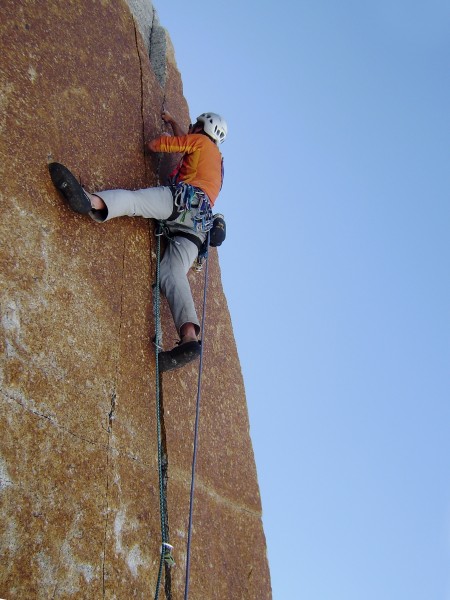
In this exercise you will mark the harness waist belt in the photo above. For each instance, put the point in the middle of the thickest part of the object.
(189, 236)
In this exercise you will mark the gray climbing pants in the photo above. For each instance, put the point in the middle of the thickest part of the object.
(157, 203)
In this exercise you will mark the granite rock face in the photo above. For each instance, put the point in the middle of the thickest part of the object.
(83, 82)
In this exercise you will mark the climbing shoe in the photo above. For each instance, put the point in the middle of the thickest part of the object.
(179, 356)
(70, 188)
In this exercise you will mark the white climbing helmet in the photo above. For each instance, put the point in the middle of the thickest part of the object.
(214, 125)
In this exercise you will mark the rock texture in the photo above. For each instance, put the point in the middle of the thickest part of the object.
(83, 82)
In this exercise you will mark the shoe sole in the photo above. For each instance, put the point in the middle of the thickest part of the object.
(70, 188)
(179, 356)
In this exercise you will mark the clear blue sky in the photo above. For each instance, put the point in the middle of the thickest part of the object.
(336, 271)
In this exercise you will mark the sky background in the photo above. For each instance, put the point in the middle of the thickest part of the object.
(336, 272)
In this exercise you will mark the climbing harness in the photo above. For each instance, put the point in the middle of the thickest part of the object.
(166, 557)
(217, 235)
(191, 201)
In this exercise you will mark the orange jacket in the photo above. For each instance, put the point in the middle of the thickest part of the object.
(201, 165)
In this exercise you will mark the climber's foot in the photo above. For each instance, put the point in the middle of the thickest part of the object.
(70, 188)
(179, 356)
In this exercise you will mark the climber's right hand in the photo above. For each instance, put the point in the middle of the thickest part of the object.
(167, 117)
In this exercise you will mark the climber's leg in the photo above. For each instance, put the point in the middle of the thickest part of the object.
(151, 203)
(177, 260)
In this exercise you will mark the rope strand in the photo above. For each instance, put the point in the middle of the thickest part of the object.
(196, 427)
(158, 418)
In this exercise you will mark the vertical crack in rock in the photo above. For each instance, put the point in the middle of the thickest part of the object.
(158, 50)
(142, 96)
(158, 59)
(111, 417)
(150, 37)
(111, 412)
(151, 34)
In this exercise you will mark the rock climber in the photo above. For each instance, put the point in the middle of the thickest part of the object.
(186, 207)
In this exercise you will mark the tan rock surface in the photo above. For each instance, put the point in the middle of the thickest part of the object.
(79, 496)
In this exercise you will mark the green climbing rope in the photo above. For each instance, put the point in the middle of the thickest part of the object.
(166, 548)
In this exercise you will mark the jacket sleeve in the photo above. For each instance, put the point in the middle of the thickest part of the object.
(184, 143)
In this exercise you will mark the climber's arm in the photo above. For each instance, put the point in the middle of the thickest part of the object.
(177, 130)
